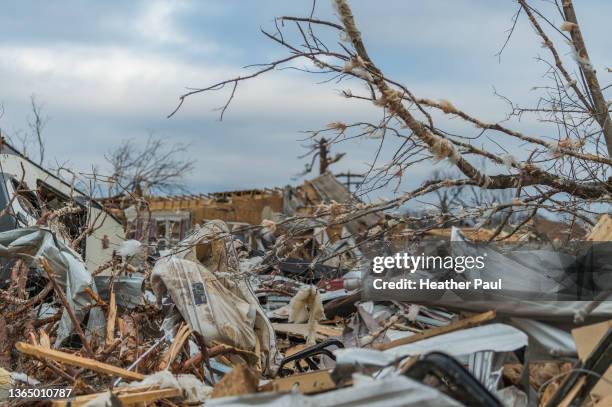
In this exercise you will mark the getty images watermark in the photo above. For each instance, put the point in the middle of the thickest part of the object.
(407, 263)
(441, 272)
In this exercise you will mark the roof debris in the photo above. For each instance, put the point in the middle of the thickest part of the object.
(238, 312)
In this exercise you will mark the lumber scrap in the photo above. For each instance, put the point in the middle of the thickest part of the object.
(179, 340)
(301, 330)
(606, 401)
(455, 326)
(112, 316)
(241, 380)
(127, 398)
(307, 383)
(217, 350)
(587, 339)
(602, 231)
(99, 301)
(43, 353)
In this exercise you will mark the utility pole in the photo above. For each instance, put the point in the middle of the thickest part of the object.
(349, 177)
(323, 153)
(320, 148)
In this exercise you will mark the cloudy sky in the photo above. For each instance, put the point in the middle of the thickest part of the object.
(109, 71)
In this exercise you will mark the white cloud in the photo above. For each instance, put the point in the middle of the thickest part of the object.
(126, 82)
(157, 22)
(107, 91)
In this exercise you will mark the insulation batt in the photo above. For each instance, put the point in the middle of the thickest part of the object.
(305, 306)
(193, 389)
(5, 384)
(129, 248)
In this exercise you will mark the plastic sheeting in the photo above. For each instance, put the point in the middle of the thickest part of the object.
(72, 276)
(212, 291)
(397, 391)
(492, 337)
(208, 305)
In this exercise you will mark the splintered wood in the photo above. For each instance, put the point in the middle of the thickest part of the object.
(179, 340)
(241, 380)
(301, 330)
(455, 326)
(112, 316)
(127, 397)
(602, 231)
(73, 360)
(306, 383)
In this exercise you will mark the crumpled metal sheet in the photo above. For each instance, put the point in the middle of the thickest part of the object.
(487, 367)
(72, 275)
(494, 337)
(461, 344)
(128, 289)
(545, 341)
(398, 391)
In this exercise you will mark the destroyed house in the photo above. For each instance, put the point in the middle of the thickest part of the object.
(173, 217)
(31, 194)
(169, 219)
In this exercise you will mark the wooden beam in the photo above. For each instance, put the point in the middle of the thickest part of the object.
(73, 360)
(180, 338)
(99, 301)
(241, 380)
(307, 383)
(455, 326)
(301, 330)
(131, 398)
(112, 316)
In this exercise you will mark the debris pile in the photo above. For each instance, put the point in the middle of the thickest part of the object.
(218, 322)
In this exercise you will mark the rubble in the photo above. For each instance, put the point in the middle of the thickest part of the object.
(215, 322)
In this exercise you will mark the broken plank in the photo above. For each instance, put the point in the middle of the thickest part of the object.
(241, 380)
(99, 301)
(455, 326)
(587, 338)
(307, 383)
(602, 231)
(126, 398)
(82, 399)
(301, 330)
(179, 340)
(69, 359)
(112, 315)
